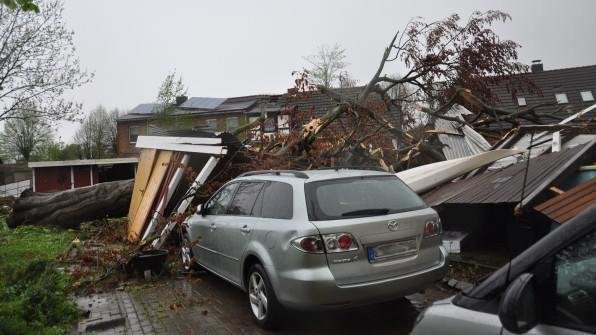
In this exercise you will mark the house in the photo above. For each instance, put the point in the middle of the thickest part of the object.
(225, 115)
(209, 114)
(558, 93)
(53, 176)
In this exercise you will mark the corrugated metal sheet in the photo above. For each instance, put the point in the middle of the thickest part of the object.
(565, 206)
(202, 103)
(505, 186)
(468, 143)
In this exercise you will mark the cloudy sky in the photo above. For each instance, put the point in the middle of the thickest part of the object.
(232, 48)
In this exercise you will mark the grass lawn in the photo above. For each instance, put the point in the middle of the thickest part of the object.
(30, 243)
(33, 294)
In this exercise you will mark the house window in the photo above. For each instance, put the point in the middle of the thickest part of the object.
(521, 101)
(561, 98)
(587, 95)
(133, 133)
(211, 124)
(270, 125)
(232, 123)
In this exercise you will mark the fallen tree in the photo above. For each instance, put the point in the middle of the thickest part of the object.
(69, 208)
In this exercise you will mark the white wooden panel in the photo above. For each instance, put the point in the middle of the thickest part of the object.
(148, 140)
(196, 148)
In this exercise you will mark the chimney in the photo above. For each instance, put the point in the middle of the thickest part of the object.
(181, 99)
(537, 66)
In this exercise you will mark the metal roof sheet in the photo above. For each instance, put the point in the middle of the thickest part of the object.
(505, 186)
(468, 143)
(565, 206)
(107, 161)
(202, 103)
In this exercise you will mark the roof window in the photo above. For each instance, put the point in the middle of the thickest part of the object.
(561, 98)
(587, 95)
(521, 101)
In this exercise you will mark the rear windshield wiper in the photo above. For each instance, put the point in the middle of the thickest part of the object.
(370, 211)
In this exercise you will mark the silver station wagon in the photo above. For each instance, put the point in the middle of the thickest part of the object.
(317, 239)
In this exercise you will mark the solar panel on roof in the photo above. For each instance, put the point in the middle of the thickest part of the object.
(202, 103)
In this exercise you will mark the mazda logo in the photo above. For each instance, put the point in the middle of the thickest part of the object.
(392, 225)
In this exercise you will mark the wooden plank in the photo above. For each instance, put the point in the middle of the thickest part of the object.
(146, 160)
(163, 201)
(196, 148)
(153, 186)
(148, 140)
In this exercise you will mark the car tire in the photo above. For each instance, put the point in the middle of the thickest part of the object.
(262, 302)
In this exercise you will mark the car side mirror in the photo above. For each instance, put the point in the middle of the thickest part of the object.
(517, 311)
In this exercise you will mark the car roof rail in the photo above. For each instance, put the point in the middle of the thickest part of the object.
(352, 167)
(297, 174)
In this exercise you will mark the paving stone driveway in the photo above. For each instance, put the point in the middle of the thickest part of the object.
(205, 304)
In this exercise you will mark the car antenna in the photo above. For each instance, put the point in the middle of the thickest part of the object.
(518, 210)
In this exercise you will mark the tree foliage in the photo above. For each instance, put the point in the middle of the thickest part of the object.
(38, 63)
(97, 134)
(446, 62)
(327, 67)
(24, 135)
(25, 5)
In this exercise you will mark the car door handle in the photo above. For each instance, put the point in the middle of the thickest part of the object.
(212, 227)
(245, 229)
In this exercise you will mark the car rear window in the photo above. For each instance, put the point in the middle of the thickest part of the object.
(359, 197)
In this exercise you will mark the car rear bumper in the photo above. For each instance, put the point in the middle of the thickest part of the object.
(317, 289)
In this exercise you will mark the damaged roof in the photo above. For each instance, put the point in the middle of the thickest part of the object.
(567, 205)
(505, 185)
(468, 142)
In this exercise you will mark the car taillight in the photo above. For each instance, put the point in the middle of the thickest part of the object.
(311, 244)
(339, 242)
(329, 242)
(432, 228)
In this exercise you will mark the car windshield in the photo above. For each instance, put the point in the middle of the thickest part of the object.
(359, 197)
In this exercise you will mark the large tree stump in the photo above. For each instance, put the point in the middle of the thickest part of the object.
(70, 208)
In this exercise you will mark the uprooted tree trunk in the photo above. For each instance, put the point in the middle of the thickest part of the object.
(69, 208)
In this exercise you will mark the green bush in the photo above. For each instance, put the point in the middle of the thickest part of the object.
(33, 300)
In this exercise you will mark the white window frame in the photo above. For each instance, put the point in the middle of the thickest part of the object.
(561, 98)
(521, 101)
(587, 95)
(139, 133)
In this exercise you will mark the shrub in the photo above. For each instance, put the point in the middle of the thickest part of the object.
(33, 300)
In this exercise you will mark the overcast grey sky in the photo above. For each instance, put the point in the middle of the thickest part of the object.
(235, 48)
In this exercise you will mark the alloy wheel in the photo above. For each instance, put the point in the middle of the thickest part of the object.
(186, 257)
(257, 294)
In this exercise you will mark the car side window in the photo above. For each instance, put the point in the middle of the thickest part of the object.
(219, 203)
(245, 198)
(277, 201)
(575, 285)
